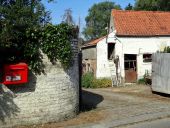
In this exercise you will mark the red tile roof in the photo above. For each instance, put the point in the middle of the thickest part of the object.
(93, 42)
(141, 23)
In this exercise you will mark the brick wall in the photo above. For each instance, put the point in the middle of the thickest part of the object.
(46, 98)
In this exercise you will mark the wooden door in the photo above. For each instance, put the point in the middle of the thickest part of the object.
(130, 68)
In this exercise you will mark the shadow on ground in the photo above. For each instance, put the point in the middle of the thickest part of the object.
(161, 94)
(90, 100)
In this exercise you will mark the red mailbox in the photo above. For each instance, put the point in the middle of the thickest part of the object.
(15, 74)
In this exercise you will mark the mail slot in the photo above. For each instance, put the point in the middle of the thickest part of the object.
(15, 74)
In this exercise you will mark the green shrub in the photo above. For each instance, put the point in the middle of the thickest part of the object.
(88, 81)
(102, 83)
(142, 81)
(167, 49)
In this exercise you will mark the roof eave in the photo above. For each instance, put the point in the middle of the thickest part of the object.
(88, 46)
(122, 35)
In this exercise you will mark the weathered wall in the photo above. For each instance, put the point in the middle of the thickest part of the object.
(89, 53)
(161, 72)
(140, 46)
(129, 45)
(89, 59)
(89, 66)
(103, 69)
(46, 98)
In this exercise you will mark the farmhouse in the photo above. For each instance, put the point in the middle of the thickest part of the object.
(124, 55)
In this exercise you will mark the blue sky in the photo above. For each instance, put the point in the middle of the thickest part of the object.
(79, 8)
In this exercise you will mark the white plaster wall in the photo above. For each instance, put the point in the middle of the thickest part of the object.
(102, 61)
(111, 27)
(129, 45)
(140, 46)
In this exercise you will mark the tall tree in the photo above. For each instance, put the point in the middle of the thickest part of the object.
(98, 19)
(152, 5)
(21, 23)
(17, 16)
(129, 7)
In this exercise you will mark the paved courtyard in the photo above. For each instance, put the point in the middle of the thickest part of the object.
(117, 107)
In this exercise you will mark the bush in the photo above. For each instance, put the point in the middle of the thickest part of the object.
(142, 81)
(102, 83)
(167, 49)
(88, 81)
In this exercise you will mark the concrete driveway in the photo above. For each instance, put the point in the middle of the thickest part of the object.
(161, 123)
(128, 105)
(117, 107)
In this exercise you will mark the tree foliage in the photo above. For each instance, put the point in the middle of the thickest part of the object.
(152, 5)
(57, 43)
(25, 33)
(16, 17)
(21, 23)
(98, 19)
(129, 7)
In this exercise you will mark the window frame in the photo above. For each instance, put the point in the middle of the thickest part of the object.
(147, 57)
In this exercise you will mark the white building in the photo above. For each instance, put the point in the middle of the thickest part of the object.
(125, 54)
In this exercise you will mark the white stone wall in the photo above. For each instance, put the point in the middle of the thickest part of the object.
(102, 61)
(140, 46)
(129, 45)
(46, 98)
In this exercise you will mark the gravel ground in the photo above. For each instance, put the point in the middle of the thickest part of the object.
(116, 107)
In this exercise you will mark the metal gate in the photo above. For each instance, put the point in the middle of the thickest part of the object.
(161, 72)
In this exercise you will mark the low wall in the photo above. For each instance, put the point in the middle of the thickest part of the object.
(49, 97)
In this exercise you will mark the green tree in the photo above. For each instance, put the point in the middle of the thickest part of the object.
(164, 5)
(152, 5)
(21, 22)
(16, 17)
(98, 19)
(129, 7)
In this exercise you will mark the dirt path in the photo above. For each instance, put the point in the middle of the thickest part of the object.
(116, 107)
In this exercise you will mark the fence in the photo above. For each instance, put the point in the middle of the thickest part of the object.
(161, 72)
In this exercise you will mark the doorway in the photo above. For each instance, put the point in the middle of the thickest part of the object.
(111, 50)
(130, 68)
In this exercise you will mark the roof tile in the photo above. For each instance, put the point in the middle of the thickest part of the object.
(93, 42)
(141, 23)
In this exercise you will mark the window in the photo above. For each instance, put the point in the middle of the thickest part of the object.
(147, 58)
(130, 61)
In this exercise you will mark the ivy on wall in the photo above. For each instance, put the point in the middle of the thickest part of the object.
(25, 33)
(53, 40)
(57, 43)
(32, 54)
